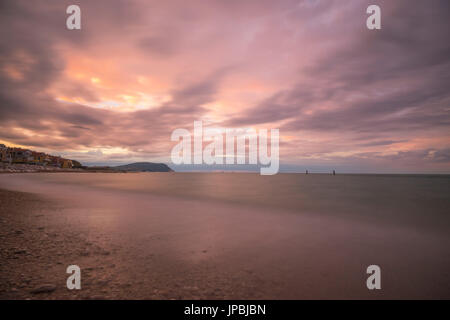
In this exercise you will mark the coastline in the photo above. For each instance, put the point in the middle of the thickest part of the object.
(37, 245)
(35, 250)
(131, 245)
(26, 168)
(34, 168)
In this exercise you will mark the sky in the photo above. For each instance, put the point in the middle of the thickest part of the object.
(342, 96)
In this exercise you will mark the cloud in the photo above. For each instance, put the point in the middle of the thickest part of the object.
(139, 69)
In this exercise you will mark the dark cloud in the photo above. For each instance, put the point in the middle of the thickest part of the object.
(32, 34)
(380, 143)
(393, 79)
(353, 88)
(158, 45)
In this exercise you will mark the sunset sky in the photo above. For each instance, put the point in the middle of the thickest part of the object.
(343, 97)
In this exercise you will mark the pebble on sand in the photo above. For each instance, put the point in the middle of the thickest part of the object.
(46, 288)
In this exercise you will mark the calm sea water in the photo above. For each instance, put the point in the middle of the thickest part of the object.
(283, 236)
(418, 200)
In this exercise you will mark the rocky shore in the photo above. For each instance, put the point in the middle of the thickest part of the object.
(133, 167)
(23, 168)
(140, 243)
(36, 249)
(39, 238)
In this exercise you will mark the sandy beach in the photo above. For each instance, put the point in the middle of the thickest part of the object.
(136, 245)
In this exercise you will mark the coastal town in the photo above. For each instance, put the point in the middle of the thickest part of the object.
(13, 159)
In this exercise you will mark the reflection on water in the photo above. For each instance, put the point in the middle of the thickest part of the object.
(284, 236)
(406, 199)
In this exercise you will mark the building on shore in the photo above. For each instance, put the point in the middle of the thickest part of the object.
(67, 164)
(24, 156)
(5, 155)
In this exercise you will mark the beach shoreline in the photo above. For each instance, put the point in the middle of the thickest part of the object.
(35, 251)
(38, 245)
(27, 168)
(132, 245)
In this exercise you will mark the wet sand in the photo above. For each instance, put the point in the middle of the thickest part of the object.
(131, 245)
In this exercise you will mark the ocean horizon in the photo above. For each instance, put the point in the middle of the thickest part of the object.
(282, 235)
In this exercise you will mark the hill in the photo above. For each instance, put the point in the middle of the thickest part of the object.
(144, 167)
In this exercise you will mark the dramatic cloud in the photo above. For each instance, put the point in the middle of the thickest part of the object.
(342, 96)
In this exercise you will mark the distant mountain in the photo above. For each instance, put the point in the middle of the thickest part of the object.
(144, 166)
